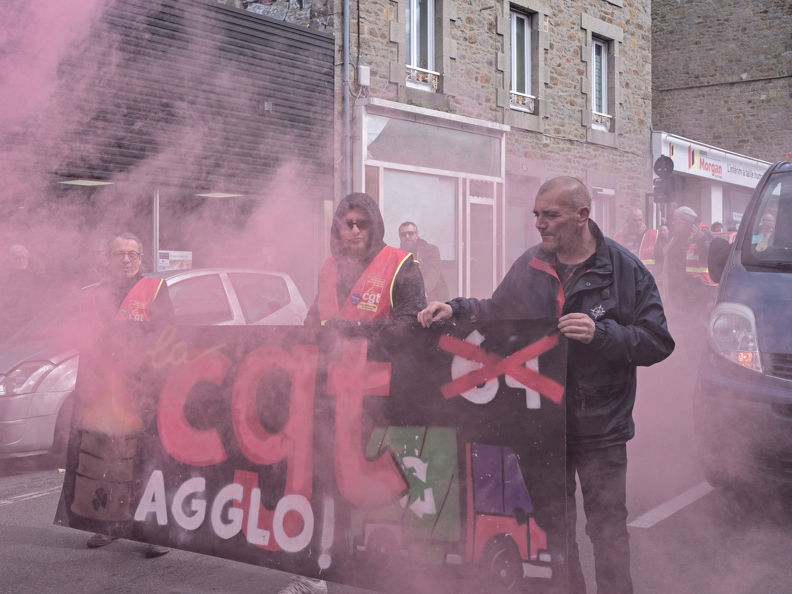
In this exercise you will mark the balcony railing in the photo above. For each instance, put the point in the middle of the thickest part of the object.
(424, 78)
(522, 101)
(601, 121)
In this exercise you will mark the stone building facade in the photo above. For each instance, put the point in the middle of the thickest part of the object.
(722, 74)
(721, 98)
(461, 116)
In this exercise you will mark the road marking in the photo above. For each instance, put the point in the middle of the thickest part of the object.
(27, 496)
(662, 511)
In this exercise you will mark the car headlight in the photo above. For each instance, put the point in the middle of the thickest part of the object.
(732, 334)
(24, 378)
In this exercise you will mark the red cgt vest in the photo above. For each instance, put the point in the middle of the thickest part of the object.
(136, 306)
(372, 295)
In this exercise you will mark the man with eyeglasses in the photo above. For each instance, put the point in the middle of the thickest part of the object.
(429, 262)
(111, 395)
(363, 281)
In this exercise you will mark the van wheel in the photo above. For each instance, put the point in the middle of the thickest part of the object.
(502, 562)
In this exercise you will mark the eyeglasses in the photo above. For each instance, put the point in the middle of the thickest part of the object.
(362, 224)
(407, 233)
(131, 255)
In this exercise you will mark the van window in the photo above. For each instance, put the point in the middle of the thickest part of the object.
(767, 242)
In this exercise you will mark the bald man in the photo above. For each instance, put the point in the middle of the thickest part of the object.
(633, 233)
(608, 306)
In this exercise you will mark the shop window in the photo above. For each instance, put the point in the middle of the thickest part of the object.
(421, 45)
(521, 96)
(429, 201)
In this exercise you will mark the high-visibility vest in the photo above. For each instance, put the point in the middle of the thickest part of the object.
(647, 249)
(372, 295)
(136, 306)
(694, 266)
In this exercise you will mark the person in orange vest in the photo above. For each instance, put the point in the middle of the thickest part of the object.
(687, 286)
(632, 235)
(110, 407)
(364, 281)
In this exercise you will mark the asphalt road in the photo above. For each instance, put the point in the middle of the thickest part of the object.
(686, 537)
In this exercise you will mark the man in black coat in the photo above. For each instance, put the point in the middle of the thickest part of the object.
(428, 257)
(609, 307)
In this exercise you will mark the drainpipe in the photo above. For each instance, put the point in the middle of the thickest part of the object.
(347, 119)
(155, 235)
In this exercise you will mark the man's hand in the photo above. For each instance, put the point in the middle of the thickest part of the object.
(436, 311)
(577, 326)
(697, 232)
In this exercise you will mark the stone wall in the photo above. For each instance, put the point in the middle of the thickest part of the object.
(722, 73)
(473, 57)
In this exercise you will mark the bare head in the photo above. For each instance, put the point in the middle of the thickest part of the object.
(562, 209)
(635, 221)
(125, 253)
(408, 235)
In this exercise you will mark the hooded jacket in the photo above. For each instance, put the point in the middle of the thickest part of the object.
(620, 295)
(408, 287)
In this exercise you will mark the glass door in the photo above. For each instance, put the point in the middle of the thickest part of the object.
(481, 243)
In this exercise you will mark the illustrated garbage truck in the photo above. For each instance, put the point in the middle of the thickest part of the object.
(427, 525)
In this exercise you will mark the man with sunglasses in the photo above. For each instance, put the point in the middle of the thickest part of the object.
(363, 281)
(429, 262)
(115, 314)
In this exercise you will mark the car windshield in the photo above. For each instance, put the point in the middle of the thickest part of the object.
(767, 242)
(59, 320)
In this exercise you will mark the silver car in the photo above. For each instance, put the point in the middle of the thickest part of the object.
(38, 367)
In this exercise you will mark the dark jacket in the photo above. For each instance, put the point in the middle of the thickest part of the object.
(429, 262)
(619, 293)
(408, 288)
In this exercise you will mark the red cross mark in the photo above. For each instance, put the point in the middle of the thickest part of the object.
(493, 366)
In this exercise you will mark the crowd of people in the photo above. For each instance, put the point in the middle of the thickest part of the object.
(606, 295)
(677, 256)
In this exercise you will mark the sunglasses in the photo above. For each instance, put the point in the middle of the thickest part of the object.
(362, 224)
(407, 233)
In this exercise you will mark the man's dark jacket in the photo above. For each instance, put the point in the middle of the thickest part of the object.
(428, 256)
(620, 295)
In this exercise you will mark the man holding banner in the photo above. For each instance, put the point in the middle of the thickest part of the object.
(363, 281)
(111, 402)
(607, 303)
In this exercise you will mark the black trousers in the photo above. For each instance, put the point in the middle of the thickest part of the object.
(603, 482)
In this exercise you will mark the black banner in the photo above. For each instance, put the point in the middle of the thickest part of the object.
(384, 456)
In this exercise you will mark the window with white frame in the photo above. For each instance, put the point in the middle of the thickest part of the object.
(521, 96)
(599, 84)
(420, 43)
(599, 80)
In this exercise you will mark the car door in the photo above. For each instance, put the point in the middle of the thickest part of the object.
(266, 299)
(201, 301)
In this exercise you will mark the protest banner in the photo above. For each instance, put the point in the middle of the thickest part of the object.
(385, 456)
